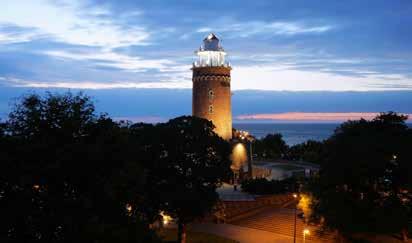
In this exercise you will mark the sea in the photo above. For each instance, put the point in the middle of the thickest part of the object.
(293, 133)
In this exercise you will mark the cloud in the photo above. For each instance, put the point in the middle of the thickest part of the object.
(88, 39)
(96, 85)
(10, 34)
(108, 58)
(145, 119)
(70, 21)
(312, 116)
(280, 76)
(248, 29)
(81, 43)
(313, 61)
(395, 86)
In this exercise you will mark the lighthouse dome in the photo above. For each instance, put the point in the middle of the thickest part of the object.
(211, 43)
(211, 53)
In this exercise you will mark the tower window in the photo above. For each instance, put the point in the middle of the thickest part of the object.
(210, 109)
(211, 94)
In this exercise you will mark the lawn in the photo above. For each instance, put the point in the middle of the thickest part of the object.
(170, 235)
(287, 167)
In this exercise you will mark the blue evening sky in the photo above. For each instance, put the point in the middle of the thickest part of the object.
(134, 57)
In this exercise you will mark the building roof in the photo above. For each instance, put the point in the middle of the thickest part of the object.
(211, 36)
(211, 43)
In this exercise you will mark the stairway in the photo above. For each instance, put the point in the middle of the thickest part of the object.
(281, 221)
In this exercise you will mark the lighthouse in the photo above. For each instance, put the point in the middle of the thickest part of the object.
(211, 95)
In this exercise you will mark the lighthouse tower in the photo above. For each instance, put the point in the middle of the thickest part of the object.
(211, 98)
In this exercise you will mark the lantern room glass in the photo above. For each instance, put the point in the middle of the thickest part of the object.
(211, 53)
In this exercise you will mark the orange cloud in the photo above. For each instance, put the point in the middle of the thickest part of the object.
(312, 116)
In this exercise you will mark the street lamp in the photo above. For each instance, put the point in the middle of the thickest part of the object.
(245, 137)
(165, 218)
(295, 196)
(250, 164)
(305, 232)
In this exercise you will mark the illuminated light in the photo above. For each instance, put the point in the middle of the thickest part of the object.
(211, 58)
(243, 135)
(211, 53)
(239, 156)
(295, 195)
(305, 232)
(165, 218)
(36, 187)
(304, 204)
(394, 156)
(129, 208)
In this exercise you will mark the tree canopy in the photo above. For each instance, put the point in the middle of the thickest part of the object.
(310, 151)
(364, 184)
(188, 162)
(272, 146)
(70, 175)
(61, 167)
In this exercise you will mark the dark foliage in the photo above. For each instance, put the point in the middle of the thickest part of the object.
(272, 147)
(309, 151)
(186, 161)
(67, 174)
(365, 178)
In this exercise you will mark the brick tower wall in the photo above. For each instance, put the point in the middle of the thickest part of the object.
(217, 80)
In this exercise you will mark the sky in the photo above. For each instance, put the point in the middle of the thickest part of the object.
(305, 59)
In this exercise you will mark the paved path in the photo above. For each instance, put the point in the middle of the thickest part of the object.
(227, 193)
(281, 221)
(241, 234)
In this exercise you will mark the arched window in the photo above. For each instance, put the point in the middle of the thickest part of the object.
(210, 109)
(211, 94)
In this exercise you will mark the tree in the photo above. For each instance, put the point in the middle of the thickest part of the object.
(62, 174)
(2, 129)
(364, 179)
(310, 151)
(272, 146)
(188, 162)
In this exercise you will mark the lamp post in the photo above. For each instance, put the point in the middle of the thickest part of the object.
(250, 164)
(251, 152)
(305, 232)
(295, 196)
(247, 138)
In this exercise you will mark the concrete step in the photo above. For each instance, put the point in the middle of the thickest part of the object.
(281, 221)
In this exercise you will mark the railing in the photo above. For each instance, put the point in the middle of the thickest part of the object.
(197, 64)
